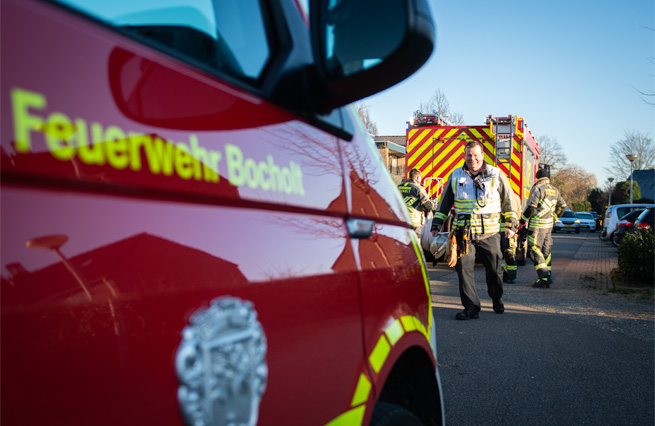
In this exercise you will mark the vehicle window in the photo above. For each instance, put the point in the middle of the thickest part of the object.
(620, 212)
(568, 214)
(584, 215)
(228, 36)
(646, 216)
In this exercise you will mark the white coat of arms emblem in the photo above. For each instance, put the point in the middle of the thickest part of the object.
(221, 365)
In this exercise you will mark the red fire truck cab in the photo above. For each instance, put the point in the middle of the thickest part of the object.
(195, 229)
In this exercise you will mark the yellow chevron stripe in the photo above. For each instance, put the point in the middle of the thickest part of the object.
(419, 151)
(418, 139)
(457, 160)
(514, 186)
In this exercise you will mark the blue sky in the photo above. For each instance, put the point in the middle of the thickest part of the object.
(569, 67)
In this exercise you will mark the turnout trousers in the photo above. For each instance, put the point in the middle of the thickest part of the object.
(539, 242)
(488, 251)
(508, 246)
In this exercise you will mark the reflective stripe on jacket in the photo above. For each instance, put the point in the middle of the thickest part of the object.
(545, 201)
(483, 204)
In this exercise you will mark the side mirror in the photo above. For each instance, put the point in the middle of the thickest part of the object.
(362, 47)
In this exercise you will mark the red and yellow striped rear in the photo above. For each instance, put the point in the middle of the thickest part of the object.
(438, 150)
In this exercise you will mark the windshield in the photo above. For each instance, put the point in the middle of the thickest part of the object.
(584, 216)
(568, 213)
(226, 36)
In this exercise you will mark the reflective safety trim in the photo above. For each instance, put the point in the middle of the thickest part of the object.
(439, 215)
(352, 417)
(541, 266)
(409, 201)
(380, 354)
(394, 332)
(426, 282)
(408, 323)
(362, 391)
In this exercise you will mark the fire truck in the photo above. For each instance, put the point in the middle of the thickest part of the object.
(436, 147)
(195, 228)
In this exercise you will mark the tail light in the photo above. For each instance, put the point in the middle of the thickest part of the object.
(642, 225)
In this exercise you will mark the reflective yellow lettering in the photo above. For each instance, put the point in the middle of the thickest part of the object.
(58, 130)
(285, 181)
(116, 144)
(88, 153)
(274, 170)
(212, 175)
(251, 173)
(265, 183)
(297, 177)
(24, 123)
(160, 156)
(137, 141)
(234, 158)
(183, 161)
(200, 157)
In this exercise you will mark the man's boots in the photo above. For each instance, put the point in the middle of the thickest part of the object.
(544, 281)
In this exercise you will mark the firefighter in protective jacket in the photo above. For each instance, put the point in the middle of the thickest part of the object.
(481, 196)
(416, 199)
(545, 200)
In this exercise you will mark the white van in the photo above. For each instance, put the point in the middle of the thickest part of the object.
(614, 214)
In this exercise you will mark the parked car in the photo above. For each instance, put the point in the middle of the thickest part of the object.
(195, 227)
(625, 225)
(568, 222)
(587, 221)
(614, 214)
(597, 218)
(645, 219)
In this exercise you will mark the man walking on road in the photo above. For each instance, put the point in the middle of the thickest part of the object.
(416, 199)
(481, 196)
(545, 200)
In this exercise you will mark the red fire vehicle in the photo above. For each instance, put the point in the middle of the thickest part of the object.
(436, 147)
(194, 230)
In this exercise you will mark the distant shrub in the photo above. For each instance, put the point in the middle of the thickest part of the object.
(637, 256)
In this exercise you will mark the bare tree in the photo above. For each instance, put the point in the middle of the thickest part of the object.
(574, 183)
(362, 110)
(649, 96)
(551, 152)
(438, 104)
(633, 142)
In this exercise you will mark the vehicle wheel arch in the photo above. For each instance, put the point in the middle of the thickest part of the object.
(412, 384)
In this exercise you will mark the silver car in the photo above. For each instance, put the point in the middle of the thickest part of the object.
(587, 221)
(568, 222)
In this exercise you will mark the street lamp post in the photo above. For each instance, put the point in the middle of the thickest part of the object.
(631, 158)
(610, 197)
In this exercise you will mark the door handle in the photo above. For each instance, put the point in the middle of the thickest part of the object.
(360, 228)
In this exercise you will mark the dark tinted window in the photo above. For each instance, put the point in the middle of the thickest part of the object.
(646, 216)
(568, 213)
(632, 216)
(228, 36)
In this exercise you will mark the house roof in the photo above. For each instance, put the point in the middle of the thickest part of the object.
(646, 181)
(398, 140)
(393, 143)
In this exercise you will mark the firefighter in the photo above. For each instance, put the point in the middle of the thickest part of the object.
(416, 199)
(544, 202)
(481, 196)
(509, 245)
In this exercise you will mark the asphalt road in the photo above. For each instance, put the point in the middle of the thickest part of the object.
(555, 357)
